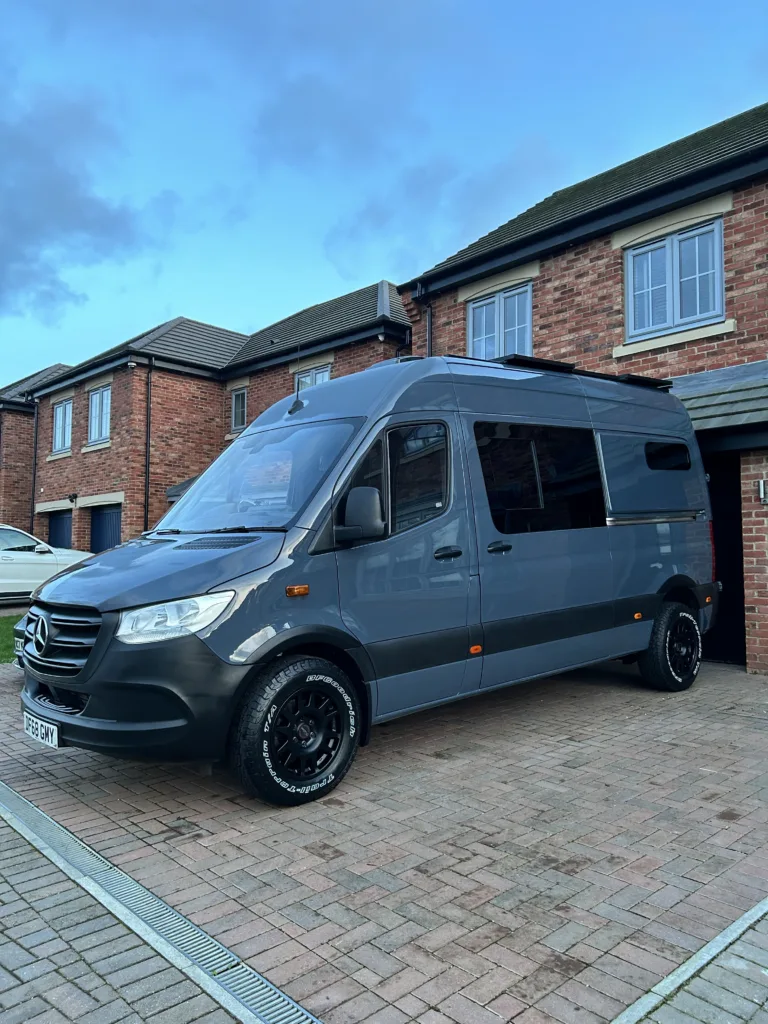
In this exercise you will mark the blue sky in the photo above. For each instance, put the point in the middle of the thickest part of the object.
(237, 160)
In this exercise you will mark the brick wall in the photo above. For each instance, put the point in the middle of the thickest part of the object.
(270, 385)
(578, 305)
(754, 467)
(188, 428)
(120, 467)
(16, 452)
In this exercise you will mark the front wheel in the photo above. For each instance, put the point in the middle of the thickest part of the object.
(298, 731)
(673, 658)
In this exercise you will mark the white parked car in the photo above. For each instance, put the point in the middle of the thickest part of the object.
(26, 562)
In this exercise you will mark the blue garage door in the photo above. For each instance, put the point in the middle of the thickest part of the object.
(105, 527)
(60, 529)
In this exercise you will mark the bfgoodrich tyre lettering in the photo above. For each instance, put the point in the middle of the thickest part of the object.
(297, 732)
(673, 658)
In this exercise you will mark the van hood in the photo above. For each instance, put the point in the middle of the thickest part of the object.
(153, 569)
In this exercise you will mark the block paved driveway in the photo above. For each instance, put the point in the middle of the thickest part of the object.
(548, 852)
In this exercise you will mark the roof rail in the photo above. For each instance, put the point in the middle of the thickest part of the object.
(555, 366)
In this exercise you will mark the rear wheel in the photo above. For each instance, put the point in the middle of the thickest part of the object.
(298, 731)
(673, 658)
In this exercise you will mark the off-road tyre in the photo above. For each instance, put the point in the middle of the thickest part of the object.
(673, 658)
(297, 731)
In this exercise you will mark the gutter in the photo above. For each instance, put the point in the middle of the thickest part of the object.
(389, 327)
(191, 369)
(147, 441)
(524, 251)
(12, 405)
(34, 468)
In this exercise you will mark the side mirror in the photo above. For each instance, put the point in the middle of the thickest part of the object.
(42, 549)
(362, 517)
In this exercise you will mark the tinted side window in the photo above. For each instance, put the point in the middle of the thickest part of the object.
(540, 478)
(418, 472)
(667, 456)
(12, 540)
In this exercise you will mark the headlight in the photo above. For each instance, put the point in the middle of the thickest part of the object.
(176, 618)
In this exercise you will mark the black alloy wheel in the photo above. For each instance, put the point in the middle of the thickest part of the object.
(297, 730)
(306, 733)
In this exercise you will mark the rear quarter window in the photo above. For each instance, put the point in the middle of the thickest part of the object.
(651, 474)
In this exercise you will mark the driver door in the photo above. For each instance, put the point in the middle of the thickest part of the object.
(405, 595)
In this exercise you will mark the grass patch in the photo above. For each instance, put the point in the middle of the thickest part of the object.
(7, 622)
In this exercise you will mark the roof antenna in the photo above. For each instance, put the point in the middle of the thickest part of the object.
(297, 402)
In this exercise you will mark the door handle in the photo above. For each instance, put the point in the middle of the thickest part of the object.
(6, 558)
(444, 553)
(498, 547)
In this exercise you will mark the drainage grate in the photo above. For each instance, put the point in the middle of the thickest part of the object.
(257, 998)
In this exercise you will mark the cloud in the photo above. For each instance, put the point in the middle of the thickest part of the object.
(52, 219)
(443, 206)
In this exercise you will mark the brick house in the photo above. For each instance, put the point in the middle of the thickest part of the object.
(17, 446)
(118, 432)
(658, 267)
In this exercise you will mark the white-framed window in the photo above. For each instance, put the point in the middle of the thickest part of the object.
(62, 426)
(500, 324)
(675, 282)
(317, 375)
(99, 406)
(239, 405)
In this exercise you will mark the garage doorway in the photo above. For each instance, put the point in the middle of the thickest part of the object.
(106, 523)
(726, 642)
(60, 529)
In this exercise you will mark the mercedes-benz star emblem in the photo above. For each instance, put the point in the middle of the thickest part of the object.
(40, 636)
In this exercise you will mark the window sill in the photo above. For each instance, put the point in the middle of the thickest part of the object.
(59, 455)
(629, 348)
(96, 446)
(233, 434)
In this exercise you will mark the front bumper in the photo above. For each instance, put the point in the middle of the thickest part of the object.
(166, 701)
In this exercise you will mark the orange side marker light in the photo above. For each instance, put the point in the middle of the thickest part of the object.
(638, 615)
(476, 649)
(708, 600)
(300, 590)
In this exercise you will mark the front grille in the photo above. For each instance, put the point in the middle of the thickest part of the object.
(72, 632)
(66, 702)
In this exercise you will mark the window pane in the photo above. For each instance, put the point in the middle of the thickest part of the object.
(322, 374)
(484, 330)
(238, 410)
(509, 471)
(658, 268)
(540, 478)
(12, 540)
(707, 293)
(689, 305)
(667, 456)
(658, 306)
(67, 424)
(304, 379)
(642, 311)
(418, 466)
(93, 415)
(688, 266)
(516, 323)
(642, 275)
(706, 251)
(106, 403)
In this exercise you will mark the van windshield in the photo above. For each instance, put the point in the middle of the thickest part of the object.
(262, 481)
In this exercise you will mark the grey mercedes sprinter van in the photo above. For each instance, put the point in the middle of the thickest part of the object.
(388, 541)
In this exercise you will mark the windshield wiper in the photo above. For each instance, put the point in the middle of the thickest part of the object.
(247, 529)
(169, 530)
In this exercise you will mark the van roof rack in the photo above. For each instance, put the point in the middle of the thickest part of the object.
(555, 366)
